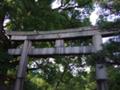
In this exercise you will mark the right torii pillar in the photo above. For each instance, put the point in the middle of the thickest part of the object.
(101, 73)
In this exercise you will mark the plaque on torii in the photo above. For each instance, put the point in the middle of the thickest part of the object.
(59, 48)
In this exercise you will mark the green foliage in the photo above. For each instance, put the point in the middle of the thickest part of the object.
(116, 5)
(4, 61)
(114, 79)
(65, 79)
(35, 82)
(113, 5)
(83, 3)
(34, 16)
(109, 25)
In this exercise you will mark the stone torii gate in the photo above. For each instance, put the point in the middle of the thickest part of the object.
(59, 49)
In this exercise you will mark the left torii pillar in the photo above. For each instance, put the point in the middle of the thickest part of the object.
(22, 68)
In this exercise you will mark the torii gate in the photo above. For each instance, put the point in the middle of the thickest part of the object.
(59, 49)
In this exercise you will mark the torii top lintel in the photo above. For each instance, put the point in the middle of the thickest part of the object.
(60, 34)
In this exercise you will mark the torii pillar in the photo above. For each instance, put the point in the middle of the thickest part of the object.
(101, 73)
(22, 68)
